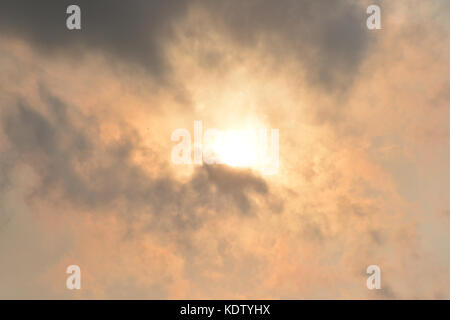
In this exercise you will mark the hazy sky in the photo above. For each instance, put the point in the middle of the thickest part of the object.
(86, 175)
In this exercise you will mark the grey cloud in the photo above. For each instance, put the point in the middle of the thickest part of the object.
(328, 38)
(132, 31)
(77, 168)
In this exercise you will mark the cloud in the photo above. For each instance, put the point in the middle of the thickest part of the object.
(73, 164)
(328, 39)
(132, 32)
(86, 176)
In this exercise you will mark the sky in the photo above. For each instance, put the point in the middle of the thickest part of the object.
(87, 177)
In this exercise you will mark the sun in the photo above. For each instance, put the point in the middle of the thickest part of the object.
(238, 148)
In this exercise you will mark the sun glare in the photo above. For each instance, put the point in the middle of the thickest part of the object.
(237, 149)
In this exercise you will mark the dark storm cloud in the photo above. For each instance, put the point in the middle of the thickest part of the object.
(328, 38)
(77, 168)
(133, 31)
